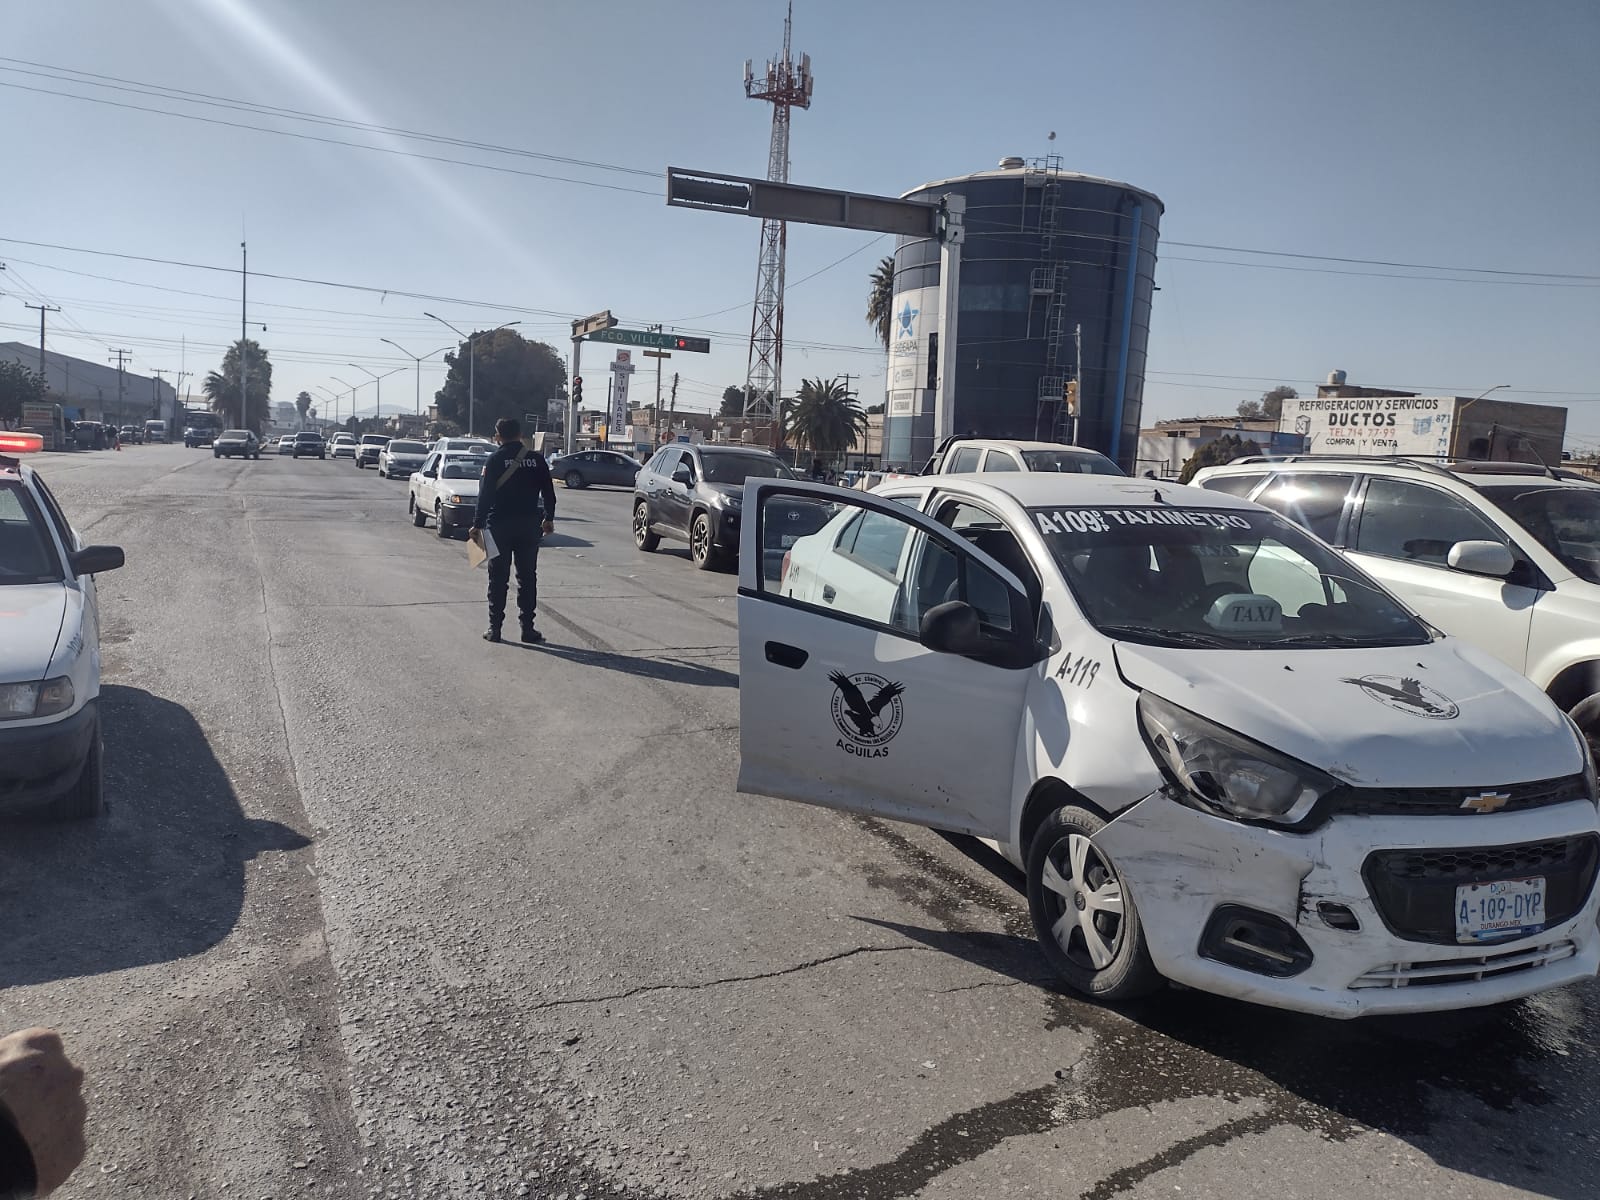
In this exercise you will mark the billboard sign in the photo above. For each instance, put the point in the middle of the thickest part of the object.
(914, 317)
(1418, 426)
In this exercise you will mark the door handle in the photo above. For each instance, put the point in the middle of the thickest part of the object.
(829, 592)
(784, 655)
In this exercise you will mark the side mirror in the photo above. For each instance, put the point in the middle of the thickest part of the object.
(91, 560)
(682, 475)
(953, 628)
(1481, 558)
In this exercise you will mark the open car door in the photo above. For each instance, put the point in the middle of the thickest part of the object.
(884, 661)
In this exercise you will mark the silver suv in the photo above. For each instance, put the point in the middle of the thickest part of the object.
(1505, 556)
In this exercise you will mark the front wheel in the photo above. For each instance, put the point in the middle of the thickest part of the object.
(642, 537)
(1586, 715)
(702, 549)
(1082, 913)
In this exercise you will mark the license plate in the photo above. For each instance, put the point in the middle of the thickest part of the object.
(1494, 910)
(788, 540)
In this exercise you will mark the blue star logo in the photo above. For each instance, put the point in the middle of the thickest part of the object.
(908, 316)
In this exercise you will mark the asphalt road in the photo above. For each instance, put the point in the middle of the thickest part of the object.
(382, 910)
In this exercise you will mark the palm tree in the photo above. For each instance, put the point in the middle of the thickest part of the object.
(222, 387)
(825, 419)
(880, 300)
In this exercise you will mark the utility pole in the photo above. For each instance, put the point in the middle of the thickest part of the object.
(122, 357)
(244, 364)
(43, 308)
(672, 406)
(156, 380)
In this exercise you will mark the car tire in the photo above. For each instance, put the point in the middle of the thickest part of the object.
(574, 480)
(642, 537)
(1586, 715)
(360, 466)
(702, 545)
(1101, 953)
(87, 797)
(418, 517)
(216, 454)
(438, 516)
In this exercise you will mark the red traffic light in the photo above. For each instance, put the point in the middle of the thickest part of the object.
(577, 381)
(693, 345)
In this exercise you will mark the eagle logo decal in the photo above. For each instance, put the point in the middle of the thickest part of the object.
(867, 710)
(1409, 696)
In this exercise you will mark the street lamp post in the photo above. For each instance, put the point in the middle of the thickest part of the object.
(1456, 435)
(354, 388)
(332, 395)
(418, 360)
(472, 364)
(377, 414)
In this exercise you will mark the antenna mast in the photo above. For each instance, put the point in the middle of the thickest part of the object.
(785, 85)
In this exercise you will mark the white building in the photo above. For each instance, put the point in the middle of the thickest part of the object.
(91, 391)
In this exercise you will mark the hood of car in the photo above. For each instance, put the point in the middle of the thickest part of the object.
(734, 491)
(31, 619)
(1437, 715)
(464, 487)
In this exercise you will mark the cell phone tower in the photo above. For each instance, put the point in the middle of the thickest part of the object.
(785, 85)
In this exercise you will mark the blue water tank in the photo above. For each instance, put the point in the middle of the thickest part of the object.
(1048, 253)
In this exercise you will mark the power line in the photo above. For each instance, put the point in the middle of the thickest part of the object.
(309, 137)
(1374, 262)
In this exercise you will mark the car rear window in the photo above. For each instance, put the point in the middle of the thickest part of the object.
(407, 448)
(461, 470)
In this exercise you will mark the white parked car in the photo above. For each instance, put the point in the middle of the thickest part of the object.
(400, 458)
(1503, 555)
(959, 456)
(464, 445)
(50, 740)
(1222, 754)
(343, 445)
(446, 489)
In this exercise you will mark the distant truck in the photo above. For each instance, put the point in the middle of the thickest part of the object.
(155, 431)
(200, 427)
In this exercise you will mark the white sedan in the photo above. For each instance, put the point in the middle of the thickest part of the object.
(1221, 754)
(446, 489)
(50, 743)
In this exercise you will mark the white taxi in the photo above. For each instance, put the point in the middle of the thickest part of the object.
(1222, 754)
(50, 744)
(445, 488)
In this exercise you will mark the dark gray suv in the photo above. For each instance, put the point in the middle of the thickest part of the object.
(694, 493)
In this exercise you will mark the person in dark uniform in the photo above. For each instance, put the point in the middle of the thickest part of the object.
(517, 504)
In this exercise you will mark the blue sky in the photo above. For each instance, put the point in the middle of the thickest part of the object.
(1459, 133)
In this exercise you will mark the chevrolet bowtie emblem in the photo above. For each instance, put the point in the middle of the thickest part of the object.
(1486, 802)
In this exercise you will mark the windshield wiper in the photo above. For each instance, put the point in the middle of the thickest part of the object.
(1168, 637)
(1335, 640)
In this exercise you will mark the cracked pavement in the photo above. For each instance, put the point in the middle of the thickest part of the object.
(381, 910)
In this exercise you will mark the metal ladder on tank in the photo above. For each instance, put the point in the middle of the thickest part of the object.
(1051, 420)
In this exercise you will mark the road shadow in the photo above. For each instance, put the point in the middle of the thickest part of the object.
(682, 671)
(160, 876)
(564, 539)
(1495, 1093)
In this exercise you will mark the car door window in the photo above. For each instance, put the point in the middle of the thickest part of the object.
(1233, 485)
(694, 471)
(985, 530)
(964, 458)
(999, 460)
(55, 516)
(1314, 502)
(1417, 523)
(876, 567)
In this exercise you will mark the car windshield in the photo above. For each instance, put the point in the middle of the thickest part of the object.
(236, 433)
(308, 437)
(1231, 578)
(461, 470)
(736, 468)
(407, 448)
(26, 554)
(1564, 520)
(374, 439)
(1073, 462)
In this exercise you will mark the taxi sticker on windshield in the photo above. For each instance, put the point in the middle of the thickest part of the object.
(1103, 520)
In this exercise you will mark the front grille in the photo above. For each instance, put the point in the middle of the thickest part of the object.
(1464, 970)
(1427, 802)
(1415, 890)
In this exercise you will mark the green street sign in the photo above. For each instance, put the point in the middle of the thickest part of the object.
(656, 341)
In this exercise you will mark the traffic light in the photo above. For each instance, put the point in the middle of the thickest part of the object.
(1069, 396)
(577, 392)
(691, 345)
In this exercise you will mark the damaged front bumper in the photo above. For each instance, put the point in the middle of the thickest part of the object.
(1356, 917)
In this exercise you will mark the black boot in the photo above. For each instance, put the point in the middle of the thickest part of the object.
(492, 634)
(530, 635)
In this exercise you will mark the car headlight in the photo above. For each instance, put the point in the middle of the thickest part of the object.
(1226, 773)
(453, 499)
(19, 701)
(724, 500)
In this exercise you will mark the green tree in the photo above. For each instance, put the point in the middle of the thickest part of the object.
(302, 405)
(513, 376)
(18, 386)
(732, 402)
(222, 387)
(1270, 406)
(825, 418)
(875, 410)
(1217, 453)
(880, 300)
